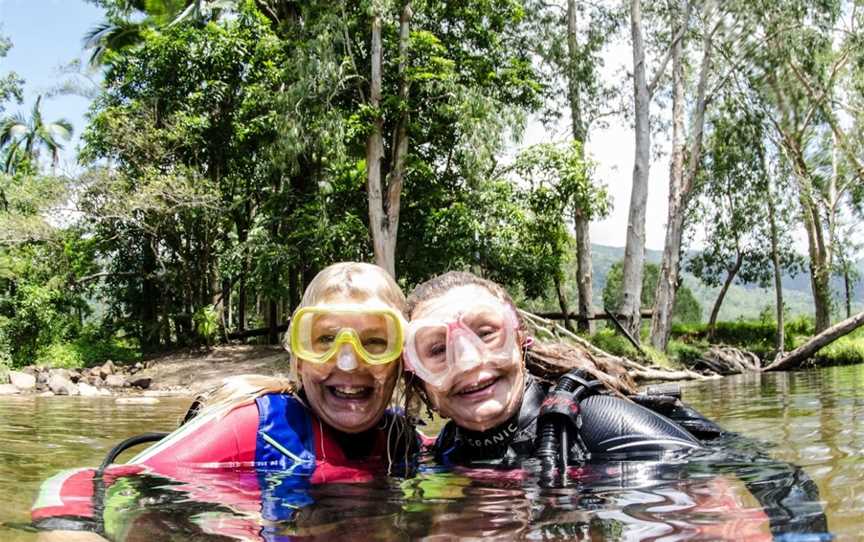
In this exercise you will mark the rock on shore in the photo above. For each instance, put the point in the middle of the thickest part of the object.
(178, 373)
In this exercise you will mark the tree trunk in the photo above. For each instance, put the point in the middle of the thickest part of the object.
(374, 155)
(730, 276)
(800, 354)
(225, 307)
(562, 302)
(819, 267)
(583, 274)
(241, 302)
(778, 270)
(581, 222)
(149, 335)
(667, 283)
(272, 322)
(384, 215)
(681, 182)
(634, 250)
(847, 283)
(820, 259)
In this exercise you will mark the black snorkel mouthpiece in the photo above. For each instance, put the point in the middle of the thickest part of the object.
(560, 422)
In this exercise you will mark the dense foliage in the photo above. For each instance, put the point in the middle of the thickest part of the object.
(231, 149)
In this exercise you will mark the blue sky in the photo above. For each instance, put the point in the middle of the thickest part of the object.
(47, 34)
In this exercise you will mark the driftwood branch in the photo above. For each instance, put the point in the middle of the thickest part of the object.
(727, 360)
(636, 370)
(799, 355)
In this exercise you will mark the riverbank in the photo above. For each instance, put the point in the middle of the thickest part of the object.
(184, 372)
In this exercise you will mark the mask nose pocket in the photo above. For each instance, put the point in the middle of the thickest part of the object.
(346, 359)
(465, 352)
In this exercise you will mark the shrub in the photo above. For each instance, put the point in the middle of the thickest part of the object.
(683, 353)
(846, 350)
(802, 325)
(60, 355)
(609, 341)
(88, 350)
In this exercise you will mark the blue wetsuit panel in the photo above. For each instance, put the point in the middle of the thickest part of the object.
(284, 455)
(285, 438)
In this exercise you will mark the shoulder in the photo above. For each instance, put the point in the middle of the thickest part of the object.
(614, 425)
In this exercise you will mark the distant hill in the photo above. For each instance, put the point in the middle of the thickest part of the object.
(742, 300)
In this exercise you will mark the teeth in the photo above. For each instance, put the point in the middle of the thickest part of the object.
(477, 386)
(350, 390)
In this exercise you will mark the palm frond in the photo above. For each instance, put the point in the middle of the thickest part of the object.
(111, 36)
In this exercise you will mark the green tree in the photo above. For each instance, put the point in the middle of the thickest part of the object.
(686, 310)
(24, 137)
(10, 83)
(731, 206)
(569, 46)
(809, 77)
(562, 170)
(40, 302)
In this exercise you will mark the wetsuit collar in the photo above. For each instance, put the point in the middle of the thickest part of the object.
(493, 442)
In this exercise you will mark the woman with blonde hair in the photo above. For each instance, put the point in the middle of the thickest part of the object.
(328, 422)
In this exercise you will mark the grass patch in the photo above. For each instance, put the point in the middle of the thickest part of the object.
(607, 340)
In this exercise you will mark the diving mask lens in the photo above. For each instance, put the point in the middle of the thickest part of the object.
(438, 349)
(319, 333)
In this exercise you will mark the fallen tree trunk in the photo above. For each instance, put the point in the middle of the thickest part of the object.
(727, 360)
(799, 355)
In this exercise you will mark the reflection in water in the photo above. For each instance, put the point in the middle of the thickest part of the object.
(812, 419)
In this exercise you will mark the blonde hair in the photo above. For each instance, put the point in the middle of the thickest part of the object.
(355, 280)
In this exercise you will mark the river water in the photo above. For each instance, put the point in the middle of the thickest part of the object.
(813, 419)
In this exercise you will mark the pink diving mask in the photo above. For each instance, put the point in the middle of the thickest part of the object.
(438, 349)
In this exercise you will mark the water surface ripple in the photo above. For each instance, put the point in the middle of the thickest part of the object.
(812, 419)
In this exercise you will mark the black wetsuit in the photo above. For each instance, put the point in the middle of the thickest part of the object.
(614, 429)
(611, 427)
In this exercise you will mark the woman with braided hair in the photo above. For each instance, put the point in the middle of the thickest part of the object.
(467, 346)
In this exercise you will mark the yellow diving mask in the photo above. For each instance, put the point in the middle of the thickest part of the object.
(323, 333)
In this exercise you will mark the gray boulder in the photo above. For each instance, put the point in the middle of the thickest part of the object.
(63, 373)
(107, 369)
(86, 390)
(9, 389)
(115, 381)
(142, 382)
(61, 384)
(22, 381)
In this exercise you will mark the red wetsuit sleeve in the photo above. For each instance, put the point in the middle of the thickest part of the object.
(206, 441)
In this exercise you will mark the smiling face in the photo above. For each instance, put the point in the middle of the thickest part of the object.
(480, 393)
(346, 392)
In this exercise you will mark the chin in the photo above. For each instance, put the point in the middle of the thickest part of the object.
(352, 424)
(483, 418)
